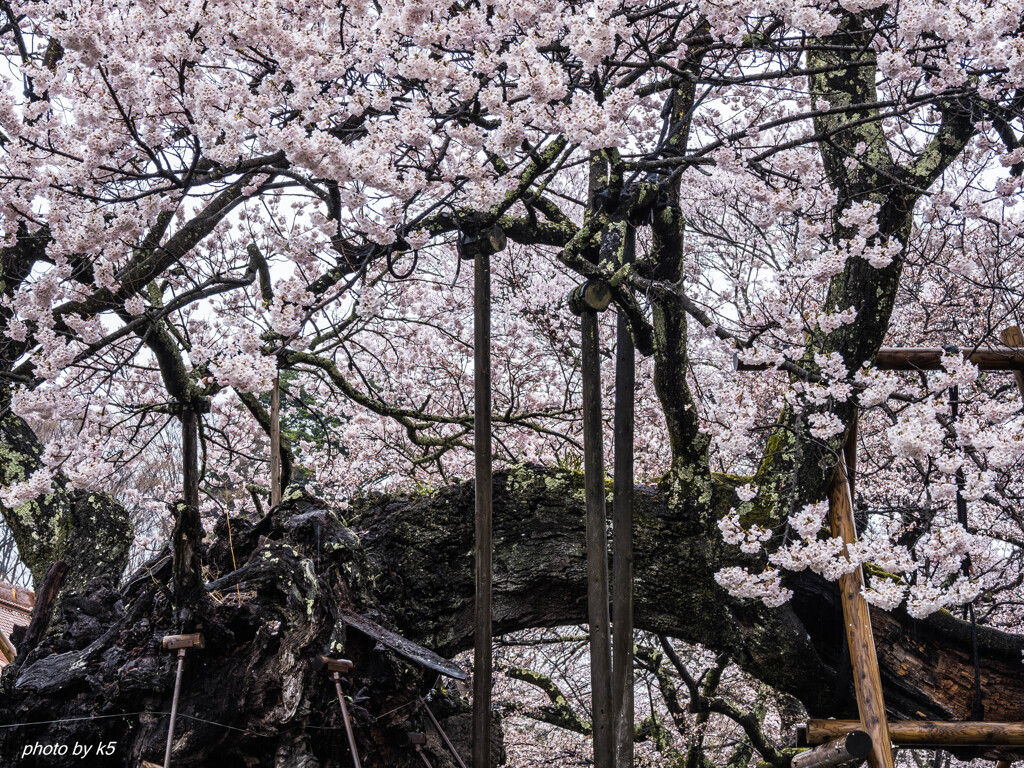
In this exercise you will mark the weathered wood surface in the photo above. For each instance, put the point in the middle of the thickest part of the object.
(916, 733)
(401, 645)
(867, 679)
(598, 615)
(482, 512)
(6, 649)
(46, 599)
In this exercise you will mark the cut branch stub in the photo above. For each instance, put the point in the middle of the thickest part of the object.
(853, 746)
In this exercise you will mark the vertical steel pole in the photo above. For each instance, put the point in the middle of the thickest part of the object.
(622, 521)
(275, 442)
(482, 459)
(597, 546)
(345, 718)
(190, 455)
(174, 701)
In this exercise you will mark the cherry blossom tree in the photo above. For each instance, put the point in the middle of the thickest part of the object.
(198, 198)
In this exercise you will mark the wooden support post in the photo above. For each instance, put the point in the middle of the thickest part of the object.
(190, 455)
(866, 677)
(597, 545)
(622, 526)
(1012, 337)
(855, 745)
(7, 650)
(275, 442)
(927, 733)
(484, 546)
(850, 455)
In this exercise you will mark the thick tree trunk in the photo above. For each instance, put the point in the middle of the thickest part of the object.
(254, 697)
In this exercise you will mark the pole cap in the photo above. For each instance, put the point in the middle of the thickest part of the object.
(344, 666)
(177, 642)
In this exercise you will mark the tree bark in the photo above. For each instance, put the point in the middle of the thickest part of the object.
(410, 568)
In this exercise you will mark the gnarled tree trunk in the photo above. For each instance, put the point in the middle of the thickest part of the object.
(254, 697)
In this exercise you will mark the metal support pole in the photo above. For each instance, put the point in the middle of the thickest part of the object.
(275, 442)
(190, 455)
(441, 733)
(418, 740)
(622, 546)
(180, 643)
(174, 708)
(597, 546)
(484, 546)
(336, 676)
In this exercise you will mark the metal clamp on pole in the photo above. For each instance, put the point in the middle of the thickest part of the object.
(593, 295)
(336, 668)
(846, 749)
(181, 644)
(486, 242)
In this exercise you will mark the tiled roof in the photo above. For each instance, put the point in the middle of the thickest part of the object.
(15, 608)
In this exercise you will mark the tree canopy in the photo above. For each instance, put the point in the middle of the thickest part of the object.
(198, 197)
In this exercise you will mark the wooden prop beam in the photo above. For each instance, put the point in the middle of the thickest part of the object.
(930, 733)
(6, 649)
(275, 442)
(866, 677)
(597, 545)
(855, 745)
(484, 547)
(622, 526)
(929, 359)
(1012, 337)
(401, 645)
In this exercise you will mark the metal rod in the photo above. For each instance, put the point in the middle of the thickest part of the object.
(622, 527)
(853, 746)
(345, 718)
(936, 733)
(482, 459)
(418, 740)
(866, 677)
(597, 546)
(190, 456)
(442, 734)
(275, 442)
(174, 706)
